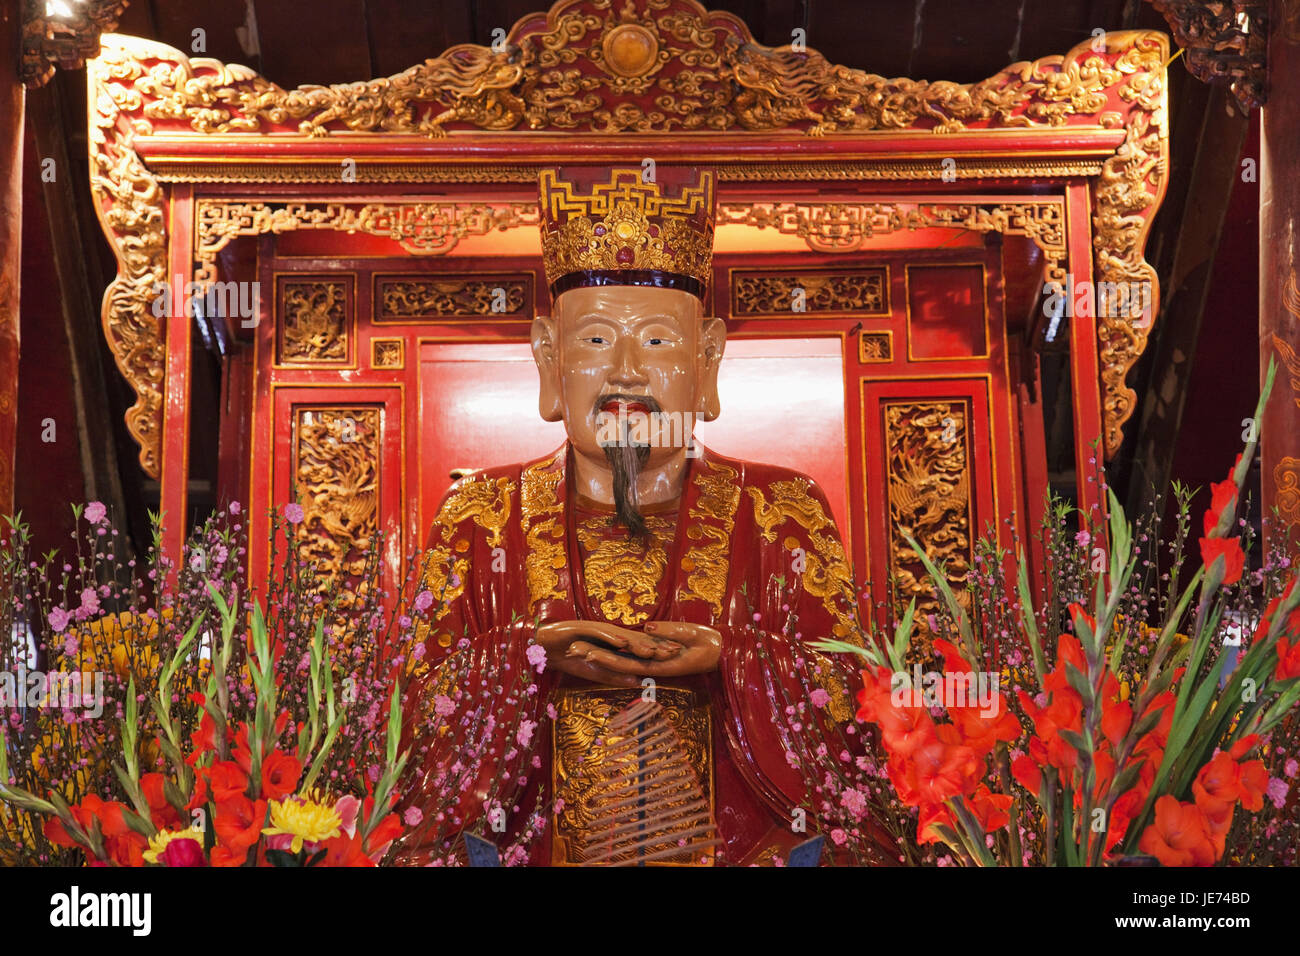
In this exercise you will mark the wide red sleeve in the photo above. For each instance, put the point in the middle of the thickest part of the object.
(475, 700)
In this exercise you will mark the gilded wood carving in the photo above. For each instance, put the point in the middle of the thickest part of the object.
(599, 67)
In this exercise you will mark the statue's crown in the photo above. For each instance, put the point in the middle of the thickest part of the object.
(611, 227)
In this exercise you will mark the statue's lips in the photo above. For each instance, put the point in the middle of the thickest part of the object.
(615, 405)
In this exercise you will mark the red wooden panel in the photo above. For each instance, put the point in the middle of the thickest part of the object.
(946, 311)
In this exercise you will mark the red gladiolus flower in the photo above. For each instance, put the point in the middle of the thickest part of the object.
(1243, 746)
(227, 780)
(1217, 787)
(1288, 660)
(183, 852)
(1179, 836)
(1254, 782)
(1077, 613)
(991, 809)
(224, 856)
(239, 823)
(933, 816)
(1234, 558)
(1223, 495)
(163, 814)
(1121, 815)
(241, 752)
(940, 770)
(1028, 773)
(388, 830)
(344, 850)
(1116, 719)
(982, 733)
(280, 773)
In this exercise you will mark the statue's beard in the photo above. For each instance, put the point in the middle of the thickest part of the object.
(626, 459)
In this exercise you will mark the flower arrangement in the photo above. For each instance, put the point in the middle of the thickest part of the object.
(1124, 741)
(266, 738)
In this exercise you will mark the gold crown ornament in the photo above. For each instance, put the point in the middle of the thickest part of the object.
(609, 227)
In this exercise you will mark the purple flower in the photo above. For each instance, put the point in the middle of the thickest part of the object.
(442, 705)
(1292, 767)
(58, 619)
(1083, 539)
(95, 512)
(819, 697)
(89, 600)
(424, 600)
(412, 817)
(839, 836)
(537, 657)
(234, 507)
(524, 736)
(293, 513)
(1277, 791)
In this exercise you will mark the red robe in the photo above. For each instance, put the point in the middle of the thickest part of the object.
(754, 553)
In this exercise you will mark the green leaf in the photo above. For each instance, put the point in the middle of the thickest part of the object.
(1076, 740)
(1079, 682)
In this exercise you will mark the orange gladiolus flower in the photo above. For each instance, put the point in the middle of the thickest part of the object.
(1179, 836)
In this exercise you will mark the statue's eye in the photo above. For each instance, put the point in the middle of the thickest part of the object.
(656, 342)
(596, 340)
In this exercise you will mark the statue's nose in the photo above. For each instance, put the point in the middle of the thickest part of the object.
(627, 369)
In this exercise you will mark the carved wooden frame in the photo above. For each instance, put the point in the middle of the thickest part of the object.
(187, 153)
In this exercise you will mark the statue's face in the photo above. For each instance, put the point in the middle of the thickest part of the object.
(628, 350)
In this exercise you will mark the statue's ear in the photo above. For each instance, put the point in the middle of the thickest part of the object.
(713, 339)
(546, 355)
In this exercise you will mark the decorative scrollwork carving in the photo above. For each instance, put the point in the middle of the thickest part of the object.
(929, 500)
(314, 322)
(452, 295)
(424, 228)
(336, 480)
(129, 202)
(756, 292)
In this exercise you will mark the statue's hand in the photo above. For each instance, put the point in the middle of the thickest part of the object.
(570, 649)
(666, 649)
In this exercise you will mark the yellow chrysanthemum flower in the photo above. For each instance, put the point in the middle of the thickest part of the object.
(158, 842)
(304, 819)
